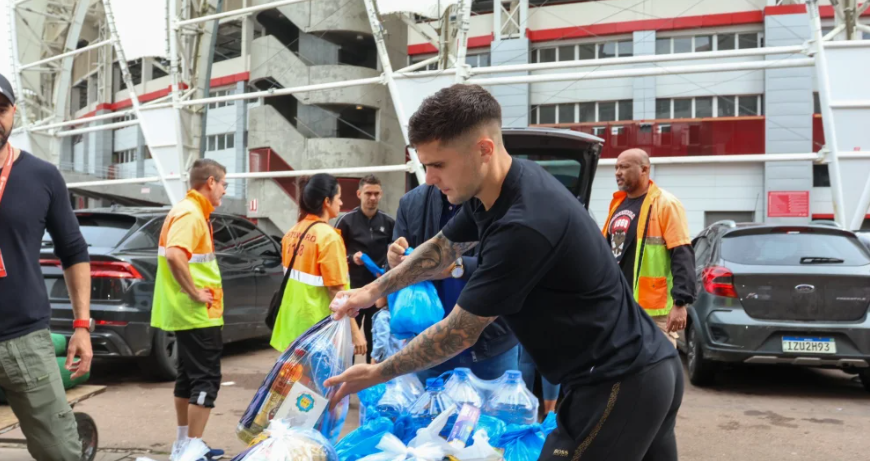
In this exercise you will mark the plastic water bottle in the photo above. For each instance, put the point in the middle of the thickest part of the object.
(460, 387)
(431, 404)
(394, 402)
(511, 402)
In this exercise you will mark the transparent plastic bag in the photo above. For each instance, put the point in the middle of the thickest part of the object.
(431, 404)
(414, 308)
(364, 440)
(461, 387)
(399, 395)
(479, 450)
(294, 389)
(392, 449)
(281, 442)
(384, 344)
(511, 401)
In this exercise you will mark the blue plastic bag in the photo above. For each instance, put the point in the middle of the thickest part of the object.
(414, 308)
(364, 440)
(368, 398)
(525, 442)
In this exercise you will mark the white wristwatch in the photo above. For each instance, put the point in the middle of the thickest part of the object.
(458, 269)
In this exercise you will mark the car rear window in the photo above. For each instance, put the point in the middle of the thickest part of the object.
(787, 249)
(567, 171)
(100, 230)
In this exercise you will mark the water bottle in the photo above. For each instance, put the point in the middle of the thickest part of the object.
(394, 402)
(460, 387)
(511, 402)
(431, 404)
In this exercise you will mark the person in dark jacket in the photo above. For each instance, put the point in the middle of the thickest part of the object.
(422, 213)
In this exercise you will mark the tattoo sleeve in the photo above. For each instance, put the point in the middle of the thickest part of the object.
(426, 262)
(439, 343)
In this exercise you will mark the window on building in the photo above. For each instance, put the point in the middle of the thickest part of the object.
(607, 111)
(682, 45)
(663, 108)
(474, 60)
(566, 113)
(212, 143)
(821, 176)
(607, 50)
(663, 46)
(703, 107)
(725, 41)
(217, 94)
(625, 49)
(747, 105)
(431, 66)
(703, 43)
(625, 110)
(683, 108)
(726, 106)
(566, 53)
(547, 114)
(817, 103)
(586, 51)
(664, 128)
(547, 55)
(587, 112)
(231, 140)
(747, 40)
(598, 131)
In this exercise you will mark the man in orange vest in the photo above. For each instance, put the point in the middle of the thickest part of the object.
(648, 234)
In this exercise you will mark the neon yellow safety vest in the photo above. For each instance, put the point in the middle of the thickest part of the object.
(187, 227)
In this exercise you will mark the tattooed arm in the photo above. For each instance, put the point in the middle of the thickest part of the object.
(437, 344)
(429, 261)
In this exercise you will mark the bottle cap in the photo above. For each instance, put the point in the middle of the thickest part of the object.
(434, 384)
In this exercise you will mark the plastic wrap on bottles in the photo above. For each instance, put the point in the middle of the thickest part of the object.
(280, 442)
(525, 442)
(414, 308)
(294, 389)
(398, 397)
(364, 440)
(431, 404)
(511, 402)
(462, 389)
(384, 344)
(368, 399)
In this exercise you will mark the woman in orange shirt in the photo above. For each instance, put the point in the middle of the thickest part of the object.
(320, 269)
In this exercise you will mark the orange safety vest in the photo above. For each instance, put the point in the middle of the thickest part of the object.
(661, 227)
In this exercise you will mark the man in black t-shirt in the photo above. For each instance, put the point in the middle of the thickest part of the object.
(543, 267)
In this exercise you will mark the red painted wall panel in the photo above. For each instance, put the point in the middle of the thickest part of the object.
(818, 133)
(716, 136)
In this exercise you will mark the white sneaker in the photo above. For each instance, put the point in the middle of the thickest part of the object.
(177, 449)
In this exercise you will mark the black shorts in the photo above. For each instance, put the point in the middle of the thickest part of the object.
(199, 365)
(629, 420)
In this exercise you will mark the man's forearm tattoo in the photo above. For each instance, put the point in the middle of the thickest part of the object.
(439, 343)
(427, 261)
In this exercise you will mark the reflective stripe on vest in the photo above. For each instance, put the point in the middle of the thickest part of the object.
(194, 258)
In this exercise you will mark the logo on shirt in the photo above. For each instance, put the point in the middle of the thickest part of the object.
(382, 228)
(618, 230)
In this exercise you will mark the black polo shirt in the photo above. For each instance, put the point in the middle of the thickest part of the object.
(371, 236)
(545, 267)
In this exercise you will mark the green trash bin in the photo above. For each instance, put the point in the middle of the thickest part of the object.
(59, 342)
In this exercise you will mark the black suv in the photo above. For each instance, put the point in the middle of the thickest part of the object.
(779, 294)
(123, 249)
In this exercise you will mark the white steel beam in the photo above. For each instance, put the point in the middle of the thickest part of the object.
(463, 16)
(284, 91)
(176, 91)
(378, 32)
(645, 59)
(111, 126)
(828, 114)
(646, 72)
(16, 70)
(67, 54)
(236, 13)
(416, 66)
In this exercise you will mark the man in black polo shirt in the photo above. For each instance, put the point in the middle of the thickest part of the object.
(366, 229)
(542, 266)
(34, 199)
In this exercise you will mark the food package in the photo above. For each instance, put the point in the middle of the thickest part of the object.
(281, 442)
(294, 389)
(364, 440)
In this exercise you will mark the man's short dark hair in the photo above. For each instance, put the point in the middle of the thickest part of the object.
(451, 113)
(371, 180)
(203, 169)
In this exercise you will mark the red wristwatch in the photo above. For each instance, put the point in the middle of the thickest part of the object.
(84, 323)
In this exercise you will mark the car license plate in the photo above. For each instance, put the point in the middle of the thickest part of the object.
(809, 345)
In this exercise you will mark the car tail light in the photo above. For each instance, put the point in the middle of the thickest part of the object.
(104, 269)
(114, 270)
(719, 281)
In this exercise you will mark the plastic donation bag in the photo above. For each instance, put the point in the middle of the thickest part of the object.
(294, 389)
(384, 344)
(364, 440)
(281, 442)
(368, 398)
(525, 442)
(480, 450)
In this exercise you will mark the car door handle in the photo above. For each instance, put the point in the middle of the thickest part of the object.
(260, 270)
